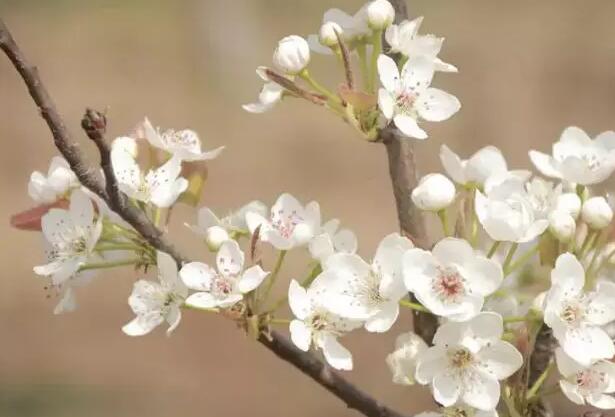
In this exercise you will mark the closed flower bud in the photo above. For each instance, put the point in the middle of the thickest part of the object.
(327, 34)
(380, 14)
(562, 225)
(434, 192)
(597, 213)
(215, 236)
(292, 54)
(570, 203)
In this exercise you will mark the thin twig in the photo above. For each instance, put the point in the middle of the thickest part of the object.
(278, 344)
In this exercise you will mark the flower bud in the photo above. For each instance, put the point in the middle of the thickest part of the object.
(380, 14)
(570, 203)
(597, 213)
(292, 54)
(327, 34)
(215, 236)
(434, 192)
(562, 225)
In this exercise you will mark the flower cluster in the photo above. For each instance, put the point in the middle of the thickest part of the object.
(519, 255)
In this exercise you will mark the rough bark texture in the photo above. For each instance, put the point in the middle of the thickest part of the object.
(307, 363)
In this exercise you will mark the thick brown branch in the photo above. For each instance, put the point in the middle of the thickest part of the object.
(278, 344)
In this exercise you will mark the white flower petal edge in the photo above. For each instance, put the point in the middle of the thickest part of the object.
(58, 182)
(402, 361)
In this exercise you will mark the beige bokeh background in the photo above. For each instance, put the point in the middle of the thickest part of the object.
(527, 70)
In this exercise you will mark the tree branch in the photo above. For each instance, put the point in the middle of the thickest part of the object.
(278, 344)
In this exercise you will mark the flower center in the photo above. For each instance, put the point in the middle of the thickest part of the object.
(461, 358)
(449, 284)
(285, 223)
(405, 101)
(222, 287)
(572, 313)
(183, 138)
(590, 380)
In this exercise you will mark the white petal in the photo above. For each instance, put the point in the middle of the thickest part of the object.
(452, 165)
(142, 325)
(167, 269)
(251, 279)
(386, 103)
(545, 164)
(430, 363)
(568, 273)
(446, 389)
(165, 195)
(483, 393)
(500, 359)
(571, 392)
(484, 275)
(173, 317)
(197, 276)
(301, 335)
(453, 250)
(298, 300)
(388, 73)
(345, 241)
(565, 364)
(409, 127)
(384, 320)
(417, 73)
(202, 300)
(230, 258)
(436, 105)
(604, 402)
(601, 309)
(321, 247)
(336, 355)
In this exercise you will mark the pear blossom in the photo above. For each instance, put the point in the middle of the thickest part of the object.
(380, 14)
(218, 230)
(562, 225)
(508, 214)
(161, 186)
(60, 180)
(71, 236)
(292, 55)
(369, 292)
(597, 213)
(352, 28)
(543, 196)
(467, 361)
(402, 361)
(269, 96)
(315, 324)
(332, 240)
(570, 203)
(156, 302)
(405, 39)
(577, 158)
(329, 31)
(184, 144)
(434, 192)
(289, 225)
(452, 280)
(225, 286)
(407, 96)
(577, 317)
(587, 384)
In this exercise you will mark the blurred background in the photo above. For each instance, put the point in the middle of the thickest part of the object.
(528, 69)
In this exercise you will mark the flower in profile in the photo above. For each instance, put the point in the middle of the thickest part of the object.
(161, 186)
(218, 230)
(367, 292)
(156, 302)
(577, 158)
(587, 384)
(269, 96)
(71, 236)
(508, 214)
(332, 240)
(543, 196)
(315, 324)
(402, 361)
(407, 97)
(452, 280)
(405, 39)
(289, 225)
(352, 28)
(597, 213)
(60, 180)
(184, 144)
(292, 55)
(225, 286)
(577, 317)
(434, 192)
(380, 14)
(467, 362)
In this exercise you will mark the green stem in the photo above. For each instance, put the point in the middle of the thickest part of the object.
(533, 391)
(376, 51)
(305, 75)
(444, 220)
(413, 306)
(274, 275)
(587, 242)
(305, 283)
(207, 310)
(521, 260)
(510, 404)
(509, 320)
(361, 50)
(493, 249)
(509, 257)
(105, 265)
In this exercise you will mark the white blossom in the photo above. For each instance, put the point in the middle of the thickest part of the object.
(577, 158)
(485, 163)
(562, 225)
(352, 28)
(467, 361)
(225, 286)
(156, 302)
(587, 384)
(161, 186)
(292, 55)
(60, 180)
(71, 236)
(570, 203)
(402, 361)
(380, 14)
(507, 213)
(597, 213)
(543, 196)
(405, 39)
(289, 225)
(576, 316)
(434, 192)
(184, 144)
(332, 239)
(270, 95)
(369, 292)
(407, 97)
(452, 280)
(329, 31)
